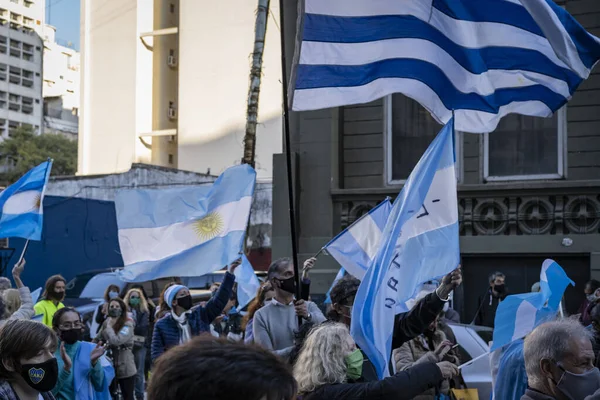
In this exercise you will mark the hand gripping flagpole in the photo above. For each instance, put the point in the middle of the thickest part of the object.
(288, 151)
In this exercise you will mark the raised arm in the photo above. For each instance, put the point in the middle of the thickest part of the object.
(26, 310)
(215, 306)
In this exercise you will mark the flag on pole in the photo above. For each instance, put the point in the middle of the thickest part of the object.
(356, 246)
(187, 231)
(22, 204)
(519, 314)
(247, 283)
(483, 59)
(419, 244)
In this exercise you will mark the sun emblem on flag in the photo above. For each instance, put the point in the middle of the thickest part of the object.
(210, 226)
(38, 202)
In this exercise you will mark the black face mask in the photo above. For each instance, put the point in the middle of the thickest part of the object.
(185, 302)
(41, 377)
(70, 336)
(59, 296)
(499, 288)
(288, 285)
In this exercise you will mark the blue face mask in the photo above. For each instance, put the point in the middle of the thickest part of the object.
(113, 295)
(579, 386)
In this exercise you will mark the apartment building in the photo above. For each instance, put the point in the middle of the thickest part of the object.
(166, 82)
(21, 26)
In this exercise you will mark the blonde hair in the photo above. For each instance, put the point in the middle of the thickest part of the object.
(322, 360)
(143, 302)
(12, 301)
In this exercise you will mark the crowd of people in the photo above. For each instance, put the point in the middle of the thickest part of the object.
(281, 348)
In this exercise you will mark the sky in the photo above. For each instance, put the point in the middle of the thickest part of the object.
(64, 15)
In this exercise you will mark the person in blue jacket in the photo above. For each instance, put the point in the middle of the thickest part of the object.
(84, 372)
(185, 322)
(511, 380)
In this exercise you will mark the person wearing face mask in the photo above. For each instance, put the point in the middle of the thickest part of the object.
(111, 292)
(264, 295)
(488, 304)
(431, 346)
(141, 316)
(275, 323)
(117, 332)
(182, 322)
(592, 294)
(28, 369)
(329, 367)
(82, 374)
(559, 362)
(51, 300)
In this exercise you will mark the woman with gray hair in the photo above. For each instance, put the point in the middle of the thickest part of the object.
(330, 364)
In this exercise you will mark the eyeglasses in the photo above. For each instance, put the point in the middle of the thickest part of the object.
(67, 326)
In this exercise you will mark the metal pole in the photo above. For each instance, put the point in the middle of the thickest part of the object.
(288, 150)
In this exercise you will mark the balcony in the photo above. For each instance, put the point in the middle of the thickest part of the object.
(27, 109)
(3, 49)
(27, 57)
(15, 52)
(15, 79)
(28, 3)
(3, 104)
(27, 82)
(2, 76)
(14, 106)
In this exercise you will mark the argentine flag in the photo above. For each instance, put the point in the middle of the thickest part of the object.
(481, 59)
(247, 283)
(419, 244)
(22, 204)
(184, 232)
(356, 246)
(519, 314)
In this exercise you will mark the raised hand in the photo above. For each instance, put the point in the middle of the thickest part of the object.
(65, 357)
(98, 352)
(308, 265)
(450, 282)
(17, 271)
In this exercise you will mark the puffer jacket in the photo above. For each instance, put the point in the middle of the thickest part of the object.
(405, 385)
(26, 310)
(166, 331)
(418, 351)
(121, 346)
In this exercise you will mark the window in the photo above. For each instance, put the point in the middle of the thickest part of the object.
(172, 7)
(526, 148)
(170, 158)
(410, 129)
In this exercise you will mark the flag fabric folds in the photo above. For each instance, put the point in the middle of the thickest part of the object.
(22, 204)
(356, 246)
(247, 283)
(187, 231)
(483, 59)
(419, 244)
(519, 314)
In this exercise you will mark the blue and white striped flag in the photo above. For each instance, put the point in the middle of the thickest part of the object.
(519, 314)
(247, 282)
(356, 246)
(419, 244)
(484, 59)
(339, 276)
(188, 231)
(22, 202)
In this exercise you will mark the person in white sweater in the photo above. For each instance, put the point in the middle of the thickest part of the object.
(11, 309)
(275, 323)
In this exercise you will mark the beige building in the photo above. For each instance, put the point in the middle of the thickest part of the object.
(166, 82)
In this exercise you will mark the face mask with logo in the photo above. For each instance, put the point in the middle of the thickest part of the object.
(579, 386)
(113, 295)
(70, 336)
(185, 302)
(115, 312)
(41, 377)
(354, 364)
(288, 285)
(134, 301)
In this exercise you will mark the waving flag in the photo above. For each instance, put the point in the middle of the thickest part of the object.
(247, 283)
(184, 231)
(356, 246)
(419, 244)
(519, 314)
(482, 58)
(339, 276)
(22, 204)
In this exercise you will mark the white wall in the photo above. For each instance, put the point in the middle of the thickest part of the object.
(216, 41)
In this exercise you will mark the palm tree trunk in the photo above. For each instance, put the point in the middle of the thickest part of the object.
(260, 31)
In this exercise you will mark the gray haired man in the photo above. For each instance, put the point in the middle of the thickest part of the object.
(559, 361)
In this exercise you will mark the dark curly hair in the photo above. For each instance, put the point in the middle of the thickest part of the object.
(341, 293)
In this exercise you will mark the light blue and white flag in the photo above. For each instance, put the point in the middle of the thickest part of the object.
(184, 231)
(247, 283)
(22, 204)
(339, 276)
(356, 246)
(484, 59)
(419, 244)
(35, 295)
(519, 314)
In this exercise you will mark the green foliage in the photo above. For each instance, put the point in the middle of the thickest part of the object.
(25, 150)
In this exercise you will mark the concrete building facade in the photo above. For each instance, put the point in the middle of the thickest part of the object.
(166, 82)
(527, 192)
(21, 28)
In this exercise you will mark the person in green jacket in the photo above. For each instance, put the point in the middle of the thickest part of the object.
(51, 302)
